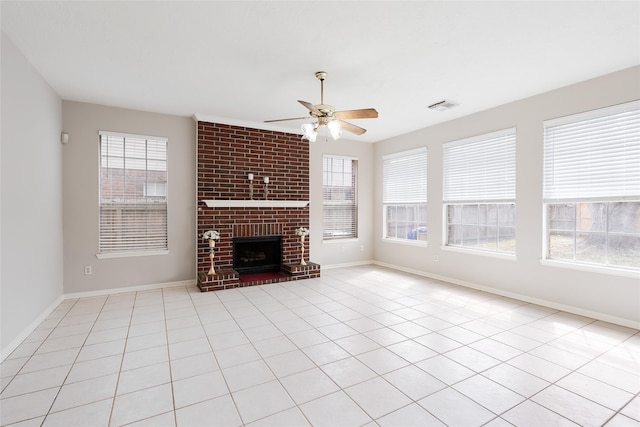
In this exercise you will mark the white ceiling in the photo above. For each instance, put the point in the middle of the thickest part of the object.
(244, 62)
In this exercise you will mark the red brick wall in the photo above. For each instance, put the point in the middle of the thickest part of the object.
(226, 155)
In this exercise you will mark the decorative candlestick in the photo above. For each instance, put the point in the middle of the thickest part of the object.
(211, 236)
(302, 232)
(302, 250)
(250, 186)
(212, 245)
(266, 187)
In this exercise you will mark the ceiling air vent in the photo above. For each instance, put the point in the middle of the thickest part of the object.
(442, 105)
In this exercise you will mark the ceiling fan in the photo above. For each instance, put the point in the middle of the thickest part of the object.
(326, 115)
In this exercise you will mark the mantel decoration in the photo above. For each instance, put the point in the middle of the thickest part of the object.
(211, 236)
(266, 187)
(302, 232)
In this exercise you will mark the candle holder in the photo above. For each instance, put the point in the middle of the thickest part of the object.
(211, 236)
(302, 232)
(302, 250)
(212, 245)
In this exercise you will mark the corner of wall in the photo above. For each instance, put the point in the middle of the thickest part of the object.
(32, 270)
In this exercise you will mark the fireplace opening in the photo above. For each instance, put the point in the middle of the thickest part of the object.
(257, 254)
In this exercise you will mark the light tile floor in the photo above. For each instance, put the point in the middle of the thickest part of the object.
(360, 346)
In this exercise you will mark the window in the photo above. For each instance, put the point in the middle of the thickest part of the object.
(339, 205)
(155, 189)
(480, 192)
(404, 195)
(133, 193)
(592, 187)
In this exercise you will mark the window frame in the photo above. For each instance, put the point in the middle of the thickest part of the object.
(603, 188)
(402, 201)
(352, 233)
(154, 204)
(462, 189)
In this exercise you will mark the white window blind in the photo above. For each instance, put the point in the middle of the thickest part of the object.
(133, 217)
(593, 155)
(405, 177)
(339, 207)
(481, 168)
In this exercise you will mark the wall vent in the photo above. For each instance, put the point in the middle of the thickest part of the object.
(442, 105)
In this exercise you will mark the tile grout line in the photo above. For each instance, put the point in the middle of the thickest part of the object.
(358, 295)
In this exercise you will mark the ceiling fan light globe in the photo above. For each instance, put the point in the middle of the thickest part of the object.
(334, 129)
(309, 132)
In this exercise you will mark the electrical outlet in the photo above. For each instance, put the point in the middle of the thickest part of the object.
(435, 258)
(87, 269)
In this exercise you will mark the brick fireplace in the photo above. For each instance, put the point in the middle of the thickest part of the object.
(226, 155)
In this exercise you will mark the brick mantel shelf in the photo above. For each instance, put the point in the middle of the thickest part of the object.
(256, 203)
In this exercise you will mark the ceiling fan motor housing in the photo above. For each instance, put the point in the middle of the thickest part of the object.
(325, 109)
(323, 120)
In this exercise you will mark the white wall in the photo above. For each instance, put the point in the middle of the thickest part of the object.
(31, 198)
(608, 296)
(80, 179)
(341, 252)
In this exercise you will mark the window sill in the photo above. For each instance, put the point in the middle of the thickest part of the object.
(591, 268)
(471, 251)
(132, 254)
(345, 240)
(418, 243)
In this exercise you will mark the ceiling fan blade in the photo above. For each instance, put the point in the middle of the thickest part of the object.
(351, 127)
(284, 120)
(310, 107)
(365, 113)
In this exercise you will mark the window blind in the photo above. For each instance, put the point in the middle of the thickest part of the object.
(405, 177)
(132, 218)
(593, 155)
(481, 169)
(340, 210)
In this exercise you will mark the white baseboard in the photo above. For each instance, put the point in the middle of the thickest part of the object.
(533, 300)
(32, 327)
(129, 289)
(29, 329)
(346, 264)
